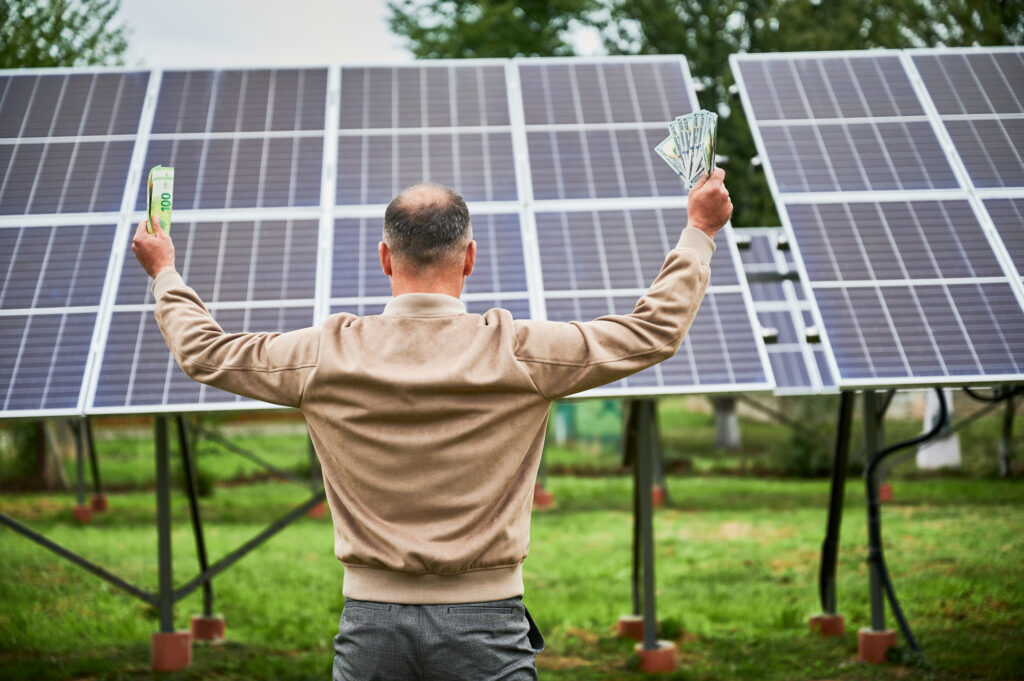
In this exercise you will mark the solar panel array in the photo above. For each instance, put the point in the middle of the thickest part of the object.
(895, 173)
(800, 366)
(282, 178)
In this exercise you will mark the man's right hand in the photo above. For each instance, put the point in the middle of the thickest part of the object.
(709, 206)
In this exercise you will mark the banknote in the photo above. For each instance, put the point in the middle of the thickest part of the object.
(160, 197)
(690, 147)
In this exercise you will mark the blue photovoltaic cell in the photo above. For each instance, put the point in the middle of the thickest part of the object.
(614, 249)
(568, 93)
(236, 261)
(63, 177)
(43, 358)
(239, 172)
(53, 266)
(449, 95)
(873, 241)
(589, 164)
(924, 330)
(1008, 217)
(373, 169)
(823, 87)
(857, 157)
(982, 82)
(356, 269)
(138, 370)
(71, 105)
(251, 100)
(992, 150)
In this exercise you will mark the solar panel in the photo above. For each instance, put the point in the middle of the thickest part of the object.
(282, 177)
(66, 143)
(910, 279)
(800, 367)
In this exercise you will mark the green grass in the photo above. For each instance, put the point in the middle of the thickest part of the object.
(736, 572)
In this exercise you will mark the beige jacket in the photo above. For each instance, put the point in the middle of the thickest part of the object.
(429, 422)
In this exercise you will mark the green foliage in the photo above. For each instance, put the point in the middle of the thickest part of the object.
(737, 567)
(36, 33)
(456, 29)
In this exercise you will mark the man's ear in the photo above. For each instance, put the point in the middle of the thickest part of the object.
(467, 267)
(385, 257)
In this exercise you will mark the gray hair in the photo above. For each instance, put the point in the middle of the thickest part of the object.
(426, 225)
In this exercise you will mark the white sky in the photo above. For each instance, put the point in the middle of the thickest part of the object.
(195, 33)
(214, 33)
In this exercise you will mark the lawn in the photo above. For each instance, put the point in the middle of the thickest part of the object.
(736, 571)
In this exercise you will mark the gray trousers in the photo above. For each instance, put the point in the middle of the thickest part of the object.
(487, 641)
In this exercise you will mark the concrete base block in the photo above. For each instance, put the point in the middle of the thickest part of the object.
(171, 652)
(630, 626)
(207, 628)
(873, 645)
(828, 625)
(885, 492)
(82, 513)
(99, 502)
(318, 511)
(542, 499)
(658, 496)
(661, 659)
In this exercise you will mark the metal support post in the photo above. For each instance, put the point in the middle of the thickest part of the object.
(837, 494)
(97, 487)
(1006, 442)
(872, 446)
(191, 488)
(163, 525)
(644, 479)
(80, 445)
(632, 409)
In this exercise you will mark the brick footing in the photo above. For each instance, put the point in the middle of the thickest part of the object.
(207, 628)
(661, 659)
(885, 492)
(658, 496)
(542, 499)
(630, 626)
(99, 502)
(318, 511)
(171, 652)
(82, 513)
(873, 645)
(828, 625)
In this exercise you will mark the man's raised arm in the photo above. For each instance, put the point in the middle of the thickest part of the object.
(272, 367)
(563, 359)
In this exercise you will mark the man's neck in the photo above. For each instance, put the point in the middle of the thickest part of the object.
(447, 286)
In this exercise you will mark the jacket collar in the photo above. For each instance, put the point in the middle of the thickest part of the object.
(424, 305)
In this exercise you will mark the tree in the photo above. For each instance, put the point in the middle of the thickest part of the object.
(455, 29)
(37, 33)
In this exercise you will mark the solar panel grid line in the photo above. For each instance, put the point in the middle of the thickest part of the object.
(115, 263)
(328, 180)
(524, 184)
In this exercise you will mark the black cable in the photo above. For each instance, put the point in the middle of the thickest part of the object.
(875, 551)
(998, 394)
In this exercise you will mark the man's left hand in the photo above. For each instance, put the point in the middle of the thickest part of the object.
(155, 252)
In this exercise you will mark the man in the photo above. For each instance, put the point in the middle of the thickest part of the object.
(429, 424)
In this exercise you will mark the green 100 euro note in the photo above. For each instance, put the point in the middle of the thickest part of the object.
(161, 197)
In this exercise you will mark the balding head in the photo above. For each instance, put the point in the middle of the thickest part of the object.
(426, 226)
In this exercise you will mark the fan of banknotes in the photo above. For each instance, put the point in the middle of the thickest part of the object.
(690, 146)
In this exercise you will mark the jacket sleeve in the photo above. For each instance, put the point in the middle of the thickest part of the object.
(566, 358)
(272, 367)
